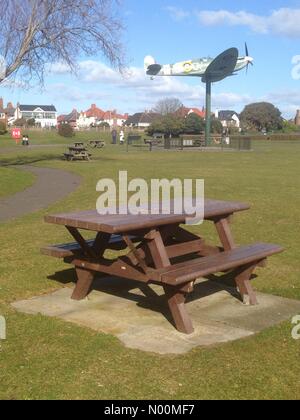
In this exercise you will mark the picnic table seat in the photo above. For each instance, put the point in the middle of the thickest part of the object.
(72, 249)
(200, 267)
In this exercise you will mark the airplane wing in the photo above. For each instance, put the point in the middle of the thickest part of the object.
(153, 69)
(222, 66)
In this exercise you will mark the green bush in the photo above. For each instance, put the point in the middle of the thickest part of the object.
(3, 129)
(21, 122)
(66, 130)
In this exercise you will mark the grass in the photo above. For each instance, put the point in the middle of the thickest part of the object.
(48, 358)
(13, 181)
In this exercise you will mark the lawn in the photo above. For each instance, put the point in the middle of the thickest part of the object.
(13, 180)
(48, 358)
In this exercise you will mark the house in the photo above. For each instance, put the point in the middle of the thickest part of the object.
(71, 119)
(229, 119)
(184, 112)
(142, 119)
(45, 116)
(10, 111)
(114, 119)
(92, 117)
(95, 112)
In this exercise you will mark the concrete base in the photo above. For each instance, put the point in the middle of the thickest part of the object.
(141, 320)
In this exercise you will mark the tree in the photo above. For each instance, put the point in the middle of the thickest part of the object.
(31, 122)
(216, 126)
(20, 122)
(3, 129)
(65, 130)
(194, 124)
(261, 116)
(37, 33)
(169, 125)
(167, 106)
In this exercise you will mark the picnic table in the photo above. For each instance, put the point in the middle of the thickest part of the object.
(154, 243)
(77, 152)
(97, 144)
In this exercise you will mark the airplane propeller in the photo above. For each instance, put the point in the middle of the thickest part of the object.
(248, 58)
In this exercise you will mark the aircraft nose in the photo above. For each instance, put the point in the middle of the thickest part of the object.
(250, 59)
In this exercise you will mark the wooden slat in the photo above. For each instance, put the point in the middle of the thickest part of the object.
(191, 270)
(116, 224)
(71, 249)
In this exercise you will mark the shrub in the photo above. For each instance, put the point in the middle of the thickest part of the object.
(21, 122)
(66, 130)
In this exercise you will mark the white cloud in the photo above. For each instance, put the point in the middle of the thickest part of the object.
(284, 21)
(177, 14)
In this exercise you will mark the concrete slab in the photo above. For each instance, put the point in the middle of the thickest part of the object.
(140, 318)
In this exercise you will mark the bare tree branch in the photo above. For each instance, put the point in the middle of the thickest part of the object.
(168, 106)
(37, 33)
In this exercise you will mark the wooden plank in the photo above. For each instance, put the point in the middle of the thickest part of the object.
(191, 270)
(91, 220)
(119, 268)
(225, 234)
(176, 302)
(82, 242)
(84, 283)
(158, 251)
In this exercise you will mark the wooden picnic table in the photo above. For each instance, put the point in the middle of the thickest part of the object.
(77, 151)
(154, 243)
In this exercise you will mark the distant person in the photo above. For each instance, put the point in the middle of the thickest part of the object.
(114, 135)
(122, 137)
(25, 141)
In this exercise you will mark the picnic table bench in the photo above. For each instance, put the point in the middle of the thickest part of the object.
(154, 243)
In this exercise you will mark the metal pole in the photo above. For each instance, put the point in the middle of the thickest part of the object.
(208, 115)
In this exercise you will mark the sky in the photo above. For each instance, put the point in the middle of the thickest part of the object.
(178, 30)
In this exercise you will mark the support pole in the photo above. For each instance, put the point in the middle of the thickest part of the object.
(208, 115)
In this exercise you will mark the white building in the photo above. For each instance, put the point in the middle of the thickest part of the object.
(229, 119)
(84, 121)
(45, 116)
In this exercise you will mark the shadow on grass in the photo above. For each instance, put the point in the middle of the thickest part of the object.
(28, 160)
(31, 160)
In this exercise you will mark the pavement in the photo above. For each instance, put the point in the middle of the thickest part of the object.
(51, 186)
(139, 318)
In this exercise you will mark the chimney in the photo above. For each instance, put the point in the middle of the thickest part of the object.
(1, 103)
(93, 106)
(10, 105)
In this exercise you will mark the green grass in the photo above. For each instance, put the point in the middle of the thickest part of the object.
(12, 181)
(48, 358)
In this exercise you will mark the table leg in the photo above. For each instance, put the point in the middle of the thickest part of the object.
(84, 283)
(243, 281)
(225, 234)
(176, 302)
(175, 297)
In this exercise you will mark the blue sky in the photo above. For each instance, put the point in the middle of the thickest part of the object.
(177, 30)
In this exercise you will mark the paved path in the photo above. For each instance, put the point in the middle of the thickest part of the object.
(51, 185)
